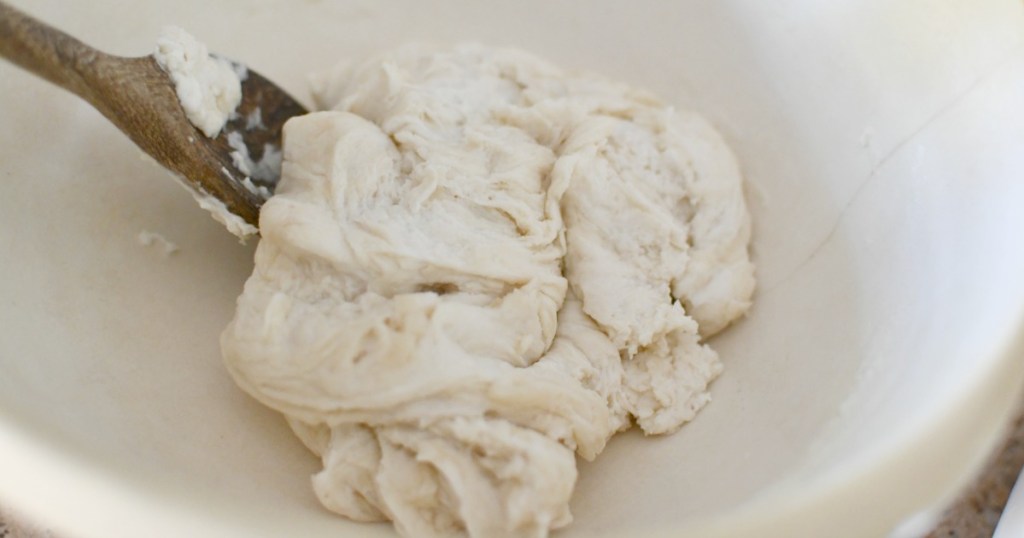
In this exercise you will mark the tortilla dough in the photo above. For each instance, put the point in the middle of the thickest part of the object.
(207, 86)
(476, 265)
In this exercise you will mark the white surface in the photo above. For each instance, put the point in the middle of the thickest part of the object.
(882, 142)
(1011, 522)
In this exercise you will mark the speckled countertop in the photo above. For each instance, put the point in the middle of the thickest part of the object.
(976, 512)
(974, 515)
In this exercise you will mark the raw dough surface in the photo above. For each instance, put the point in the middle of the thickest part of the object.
(477, 266)
(207, 86)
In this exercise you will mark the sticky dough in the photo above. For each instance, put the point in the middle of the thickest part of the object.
(477, 265)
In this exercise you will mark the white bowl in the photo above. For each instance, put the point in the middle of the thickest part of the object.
(883, 142)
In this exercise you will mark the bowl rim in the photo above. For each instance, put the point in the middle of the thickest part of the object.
(959, 433)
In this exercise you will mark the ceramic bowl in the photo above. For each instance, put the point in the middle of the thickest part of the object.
(883, 146)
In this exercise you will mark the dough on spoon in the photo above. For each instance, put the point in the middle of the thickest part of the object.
(476, 266)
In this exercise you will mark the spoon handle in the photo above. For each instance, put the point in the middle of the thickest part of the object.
(48, 52)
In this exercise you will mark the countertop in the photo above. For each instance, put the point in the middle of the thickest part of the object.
(974, 515)
(977, 511)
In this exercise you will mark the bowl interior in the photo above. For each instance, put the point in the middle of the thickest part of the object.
(881, 144)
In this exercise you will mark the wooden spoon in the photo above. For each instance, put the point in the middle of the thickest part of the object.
(140, 99)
